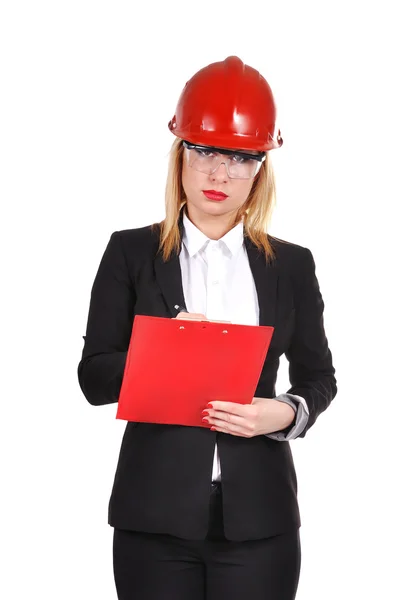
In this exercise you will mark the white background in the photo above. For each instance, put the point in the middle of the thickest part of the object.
(87, 90)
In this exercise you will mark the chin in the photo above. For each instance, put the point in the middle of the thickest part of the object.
(215, 208)
(208, 207)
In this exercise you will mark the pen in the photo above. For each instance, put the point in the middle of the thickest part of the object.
(180, 308)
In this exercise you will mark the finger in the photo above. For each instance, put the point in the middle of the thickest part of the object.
(230, 407)
(228, 418)
(191, 316)
(232, 430)
(217, 321)
(231, 426)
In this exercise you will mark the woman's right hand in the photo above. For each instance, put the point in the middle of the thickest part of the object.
(196, 317)
(191, 316)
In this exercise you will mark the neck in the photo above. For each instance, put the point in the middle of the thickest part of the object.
(213, 226)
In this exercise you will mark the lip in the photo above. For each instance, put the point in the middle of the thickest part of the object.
(214, 195)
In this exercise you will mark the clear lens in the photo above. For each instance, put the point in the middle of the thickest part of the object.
(208, 161)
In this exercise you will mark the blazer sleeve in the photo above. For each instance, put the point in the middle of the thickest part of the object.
(311, 370)
(109, 325)
(300, 407)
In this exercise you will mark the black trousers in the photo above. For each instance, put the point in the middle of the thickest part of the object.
(162, 567)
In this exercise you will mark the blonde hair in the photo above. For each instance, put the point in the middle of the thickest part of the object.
(256, 211)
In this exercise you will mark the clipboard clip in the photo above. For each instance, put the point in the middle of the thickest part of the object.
(207, 321)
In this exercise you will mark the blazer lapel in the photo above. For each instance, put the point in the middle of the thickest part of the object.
(169, 278)
(266, 278)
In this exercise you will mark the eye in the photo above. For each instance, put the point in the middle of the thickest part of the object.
(205, 153)
(239, 159)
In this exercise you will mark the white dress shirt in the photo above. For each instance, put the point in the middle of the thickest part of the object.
(218, 282)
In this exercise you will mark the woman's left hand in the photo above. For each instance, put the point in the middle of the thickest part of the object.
(262, 416)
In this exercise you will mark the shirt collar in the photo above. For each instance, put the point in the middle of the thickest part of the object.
(194, 239)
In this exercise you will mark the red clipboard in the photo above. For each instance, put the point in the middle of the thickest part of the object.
(174, 367)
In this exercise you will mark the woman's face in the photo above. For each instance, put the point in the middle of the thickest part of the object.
(195, 183)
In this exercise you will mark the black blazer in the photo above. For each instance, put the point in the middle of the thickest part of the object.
(163, 476)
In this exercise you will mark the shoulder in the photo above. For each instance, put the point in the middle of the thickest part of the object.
(297, 262)
(141, 239)
(289, 252)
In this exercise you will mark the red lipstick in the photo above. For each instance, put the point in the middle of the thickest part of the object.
(214, 195)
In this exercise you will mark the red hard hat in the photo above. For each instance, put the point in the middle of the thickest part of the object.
(227, 105)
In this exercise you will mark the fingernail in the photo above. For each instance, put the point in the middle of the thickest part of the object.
(205, 420)
(205, 412)
(210, 405)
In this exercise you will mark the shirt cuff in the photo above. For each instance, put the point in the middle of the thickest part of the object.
(299, 404)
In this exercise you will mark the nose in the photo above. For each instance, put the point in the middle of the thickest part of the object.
(221, 173)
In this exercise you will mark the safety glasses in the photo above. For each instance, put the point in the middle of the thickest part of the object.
(239, 165)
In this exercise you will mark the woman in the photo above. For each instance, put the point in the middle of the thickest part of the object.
(211, 512)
